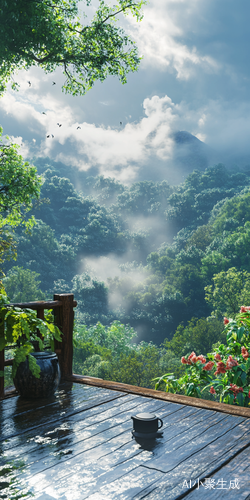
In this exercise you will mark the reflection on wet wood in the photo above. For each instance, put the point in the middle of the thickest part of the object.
(79, 445)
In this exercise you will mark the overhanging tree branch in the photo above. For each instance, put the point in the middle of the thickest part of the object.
(47, 33)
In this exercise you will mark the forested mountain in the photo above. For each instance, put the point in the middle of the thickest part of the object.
(141, 254)
(189, 153)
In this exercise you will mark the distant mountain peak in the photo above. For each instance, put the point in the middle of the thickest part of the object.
(183, 137)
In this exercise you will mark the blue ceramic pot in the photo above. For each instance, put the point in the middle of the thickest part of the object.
(31, 387)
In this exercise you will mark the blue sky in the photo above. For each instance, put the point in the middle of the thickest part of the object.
(195, 76)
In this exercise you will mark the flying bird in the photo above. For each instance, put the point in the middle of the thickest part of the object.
(59, 124)
(78, 128)
(53, 83)
(43, 113)
(120, 123)
(52, 136)
(29, 84)
(48, 136)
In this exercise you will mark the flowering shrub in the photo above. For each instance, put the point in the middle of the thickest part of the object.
(225, 372)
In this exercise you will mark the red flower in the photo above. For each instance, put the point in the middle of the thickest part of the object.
(183, 360)
(192, 358)
(226, 321)
(244, 352)
(208, 366)
(231, 362)
(244, 309)
(217, 357)
(213, 391)
(235, 389)
(249, 394)
(201, 358)
(221, 368)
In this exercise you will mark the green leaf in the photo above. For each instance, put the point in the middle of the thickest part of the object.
(240, 333)
(230, 397)
(240, 399)
(190, 389)
(33, 366)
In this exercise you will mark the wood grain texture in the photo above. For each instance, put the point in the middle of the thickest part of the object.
(40, 304)
(64, 319)
(231, 482)
(79, 445)
(2, 363)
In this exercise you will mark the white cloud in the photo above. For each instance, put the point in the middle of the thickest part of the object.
(120, 152)
(160, 38)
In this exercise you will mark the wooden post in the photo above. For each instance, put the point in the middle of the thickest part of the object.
(2, 378)
(40, 313)
(2, 363)
(64, 319)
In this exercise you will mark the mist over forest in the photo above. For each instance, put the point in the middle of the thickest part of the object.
(141, 254)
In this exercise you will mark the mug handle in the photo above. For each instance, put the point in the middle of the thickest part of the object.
(159, 419)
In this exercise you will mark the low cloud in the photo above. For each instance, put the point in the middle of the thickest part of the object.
(111, 267)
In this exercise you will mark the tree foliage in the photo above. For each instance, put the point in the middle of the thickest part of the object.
(198, 335)
(108, 352)
(158, 287)
(50, 34)
(21, 285)
(19, 185)
(229, 291)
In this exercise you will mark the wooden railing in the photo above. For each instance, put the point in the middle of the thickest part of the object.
(63, 305)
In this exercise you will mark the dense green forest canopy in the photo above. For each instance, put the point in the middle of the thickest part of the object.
(162, 244)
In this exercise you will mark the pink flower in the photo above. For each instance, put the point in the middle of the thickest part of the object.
(249, 394)
(192, 358)
(221, 368)
(244, 309)
(217, 357)
(226, 321)
(212, 390)
(208, 366)
(183, 360)
(231, 362)
(201, 358)
(244, 352)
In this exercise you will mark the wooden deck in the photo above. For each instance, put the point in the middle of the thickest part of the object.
(79, 445)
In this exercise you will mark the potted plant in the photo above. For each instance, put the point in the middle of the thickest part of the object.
(35, 369)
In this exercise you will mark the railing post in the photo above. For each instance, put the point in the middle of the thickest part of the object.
(64, 319)
(2, 362)
(2, 378)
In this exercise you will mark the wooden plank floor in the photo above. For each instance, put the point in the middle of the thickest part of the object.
(78, 445)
